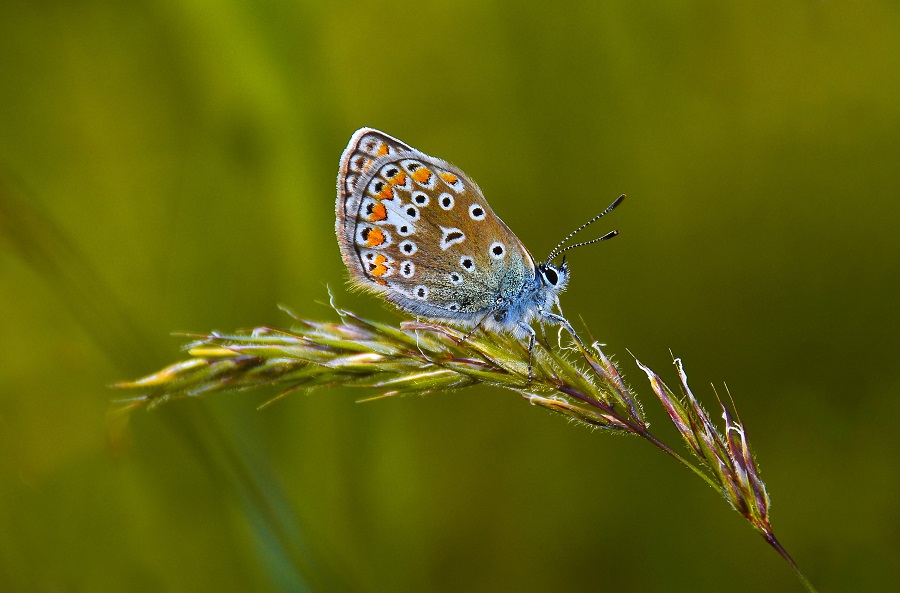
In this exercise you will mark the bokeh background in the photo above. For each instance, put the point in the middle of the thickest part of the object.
(169, 166)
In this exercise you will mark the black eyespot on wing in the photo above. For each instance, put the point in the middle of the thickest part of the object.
(365, 233)
(453, 236)
(497, 250)
(468, 264)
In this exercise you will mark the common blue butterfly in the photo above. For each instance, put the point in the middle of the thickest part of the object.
(418, 231)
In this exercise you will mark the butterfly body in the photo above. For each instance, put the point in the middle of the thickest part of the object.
(418, 231)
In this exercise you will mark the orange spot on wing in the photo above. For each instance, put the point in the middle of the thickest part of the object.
(399, 179)
(379, 212)
(422, 175)
(375, 238)
(380, 269)
(383, 149)
(449, 178)
(386, 193)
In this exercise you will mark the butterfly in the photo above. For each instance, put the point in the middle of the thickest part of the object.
(418, 231)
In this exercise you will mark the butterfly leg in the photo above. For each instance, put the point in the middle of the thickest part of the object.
(531, 337)
(560, 320)
(468, 335)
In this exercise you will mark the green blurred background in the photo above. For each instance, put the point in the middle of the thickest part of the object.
(169, 166)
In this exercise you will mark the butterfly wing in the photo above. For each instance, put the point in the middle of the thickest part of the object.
(366, 145)
(417, 230)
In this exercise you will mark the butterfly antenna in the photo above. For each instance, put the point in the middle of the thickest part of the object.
(556, 250)
(608, 235)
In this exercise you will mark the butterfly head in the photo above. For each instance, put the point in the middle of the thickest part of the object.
(553, 278)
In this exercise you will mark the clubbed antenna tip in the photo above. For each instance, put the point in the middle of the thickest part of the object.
(556, 250)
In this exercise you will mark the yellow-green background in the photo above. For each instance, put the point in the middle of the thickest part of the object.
(169, 166)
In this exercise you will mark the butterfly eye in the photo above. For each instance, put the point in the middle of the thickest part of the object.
(550, 276)
(476, 212)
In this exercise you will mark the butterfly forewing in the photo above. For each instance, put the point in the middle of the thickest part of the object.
(418, 230)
